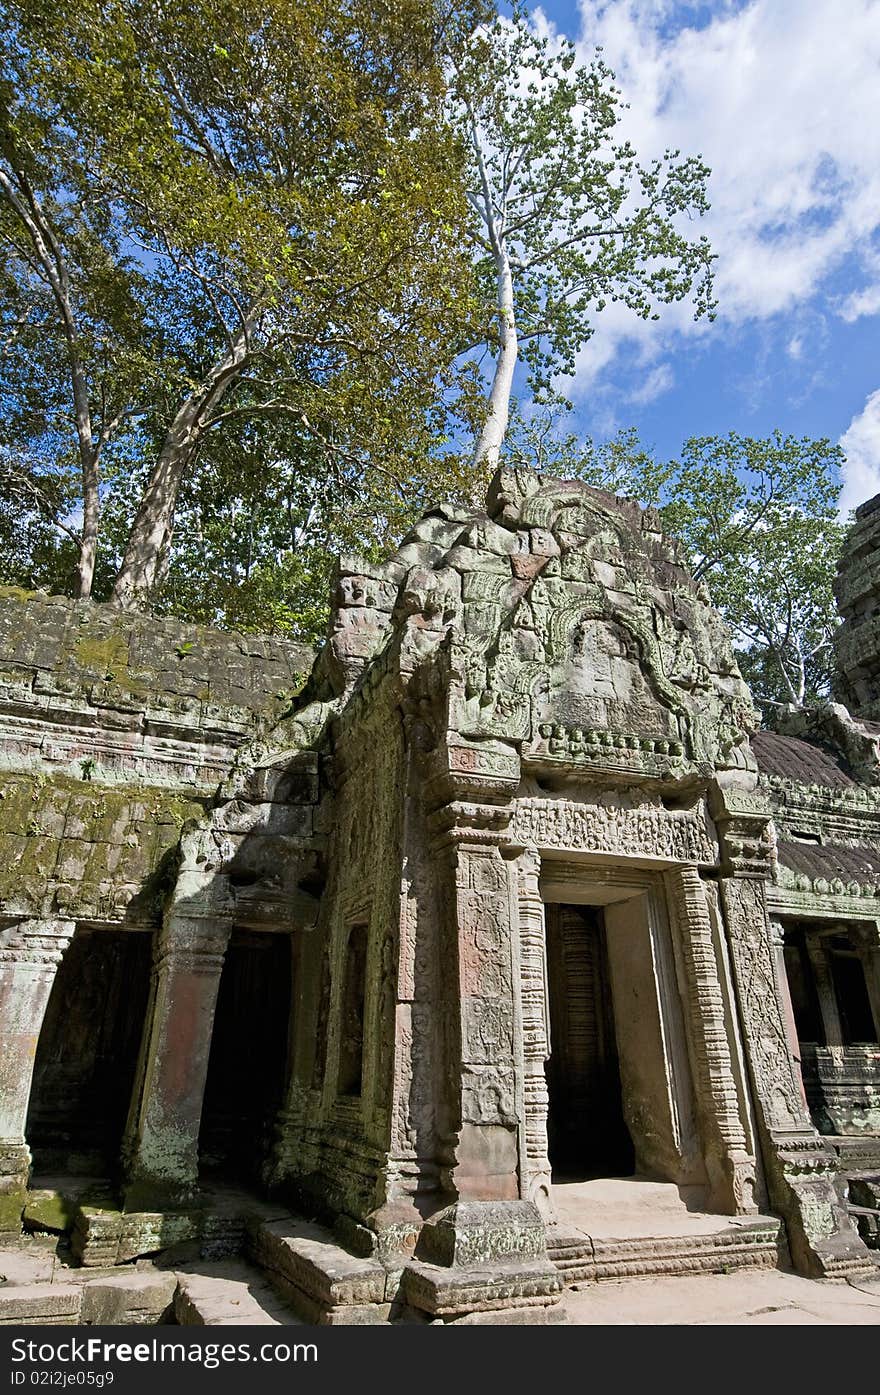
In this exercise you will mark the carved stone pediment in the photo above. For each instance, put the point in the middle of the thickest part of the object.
(600, 652)
(561, 623)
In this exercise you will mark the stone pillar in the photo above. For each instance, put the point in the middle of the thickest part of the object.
(479, 1081)
(777, 941)
(866, 939)
(825, 992)
(482, 1162)
(163, 1151)
(535, 1033)
(729, 1163)
(30, 952)
(799, 1165)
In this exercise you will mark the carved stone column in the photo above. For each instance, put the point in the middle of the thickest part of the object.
(729, 1164)
(800, 1167)
(480, 1086)
(30, 952)
(163, 1163)
(777, 941)
(866, 939)
(535, 1033)
(821, 966)
(482, 1162)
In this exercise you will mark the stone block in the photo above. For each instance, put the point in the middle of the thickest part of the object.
(468, 559)
(473, 1233)
(306, 1257)
(530, 1286)
(139, 1299)
(12, 1204)
(39, 1305)
(49, 1210)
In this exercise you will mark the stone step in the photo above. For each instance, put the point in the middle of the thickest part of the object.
(40, 1305)
(229, 1292)
(582, 1259)
(320, 1280)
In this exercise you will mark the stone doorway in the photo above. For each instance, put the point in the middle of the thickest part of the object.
(247, 1067)
(587, 1134)
(87, 1053)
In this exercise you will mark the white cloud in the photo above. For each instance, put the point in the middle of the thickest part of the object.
(780, 99)
(865, 302)
(658, 381)
(861, 443)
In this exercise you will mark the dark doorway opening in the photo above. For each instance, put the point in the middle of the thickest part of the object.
(87, 1054)
(586, 1130)
(247, 1067)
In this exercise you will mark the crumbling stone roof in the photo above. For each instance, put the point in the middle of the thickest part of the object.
(561, 621)
(801, 761)
(115, 732)
(831, 862)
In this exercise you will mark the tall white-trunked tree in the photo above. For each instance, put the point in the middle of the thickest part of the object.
(566, 218)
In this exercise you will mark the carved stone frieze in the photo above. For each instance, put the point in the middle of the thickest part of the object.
(631, 825)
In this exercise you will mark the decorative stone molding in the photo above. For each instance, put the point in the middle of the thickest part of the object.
(800, 1168)
(730, 1166)
(634, 825)
(535, 1018)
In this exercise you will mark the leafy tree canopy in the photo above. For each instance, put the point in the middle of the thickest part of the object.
(215, 214)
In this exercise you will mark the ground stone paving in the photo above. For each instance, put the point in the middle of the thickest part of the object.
(765, 1297)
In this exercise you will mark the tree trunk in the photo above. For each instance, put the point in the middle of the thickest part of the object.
(88, 548)
(494, 430)
(148, 548)
(151, 531)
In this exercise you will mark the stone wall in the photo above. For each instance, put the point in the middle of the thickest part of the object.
(115, 731)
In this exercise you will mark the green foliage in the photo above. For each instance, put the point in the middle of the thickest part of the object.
(260, 523)
(760, 520)
(621, 465)
(219, 213)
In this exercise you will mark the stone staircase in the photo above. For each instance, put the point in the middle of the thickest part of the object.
(289, 1271)
(583, 1259)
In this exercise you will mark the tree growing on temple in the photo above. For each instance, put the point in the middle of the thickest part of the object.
(214, 215)
(565, 218)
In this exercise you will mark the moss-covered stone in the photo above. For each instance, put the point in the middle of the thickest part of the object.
(49, 1210)
(12, 1204)
(103, 844)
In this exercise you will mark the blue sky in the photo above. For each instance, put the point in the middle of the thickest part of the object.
(782, 100)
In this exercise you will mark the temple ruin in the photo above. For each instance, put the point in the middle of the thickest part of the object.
(384, 971)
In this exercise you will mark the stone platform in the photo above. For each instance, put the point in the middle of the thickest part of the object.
(277, 1268)
(36, 1291)
(629, 1228)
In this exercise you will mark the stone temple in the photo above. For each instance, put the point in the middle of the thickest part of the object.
(495, 950)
